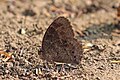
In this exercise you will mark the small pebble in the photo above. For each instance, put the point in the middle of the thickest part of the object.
(9, 64)
(7, 71)
(22, 31)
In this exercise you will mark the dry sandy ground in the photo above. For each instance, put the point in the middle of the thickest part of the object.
(24, 22)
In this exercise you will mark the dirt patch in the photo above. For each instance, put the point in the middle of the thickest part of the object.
(22, 27)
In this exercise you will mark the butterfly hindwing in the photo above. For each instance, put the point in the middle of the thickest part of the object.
(59, 44)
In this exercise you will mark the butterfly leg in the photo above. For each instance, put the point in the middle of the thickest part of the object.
(60, 67)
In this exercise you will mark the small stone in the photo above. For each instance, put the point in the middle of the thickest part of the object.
(22, 31)
(9, 64)
(87, 46)
(100, 47)
(7, 71)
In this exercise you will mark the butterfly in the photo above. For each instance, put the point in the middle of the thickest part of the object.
(59, 44)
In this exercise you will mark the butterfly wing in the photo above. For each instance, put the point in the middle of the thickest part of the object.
(59, 44)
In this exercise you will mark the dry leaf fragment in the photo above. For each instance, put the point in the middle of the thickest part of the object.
(7, 55)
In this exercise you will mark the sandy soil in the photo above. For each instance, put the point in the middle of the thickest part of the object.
(24, 22)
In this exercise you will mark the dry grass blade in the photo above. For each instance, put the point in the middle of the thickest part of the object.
(114, 61)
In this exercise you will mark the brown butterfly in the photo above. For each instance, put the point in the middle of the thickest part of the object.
(59, 44)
